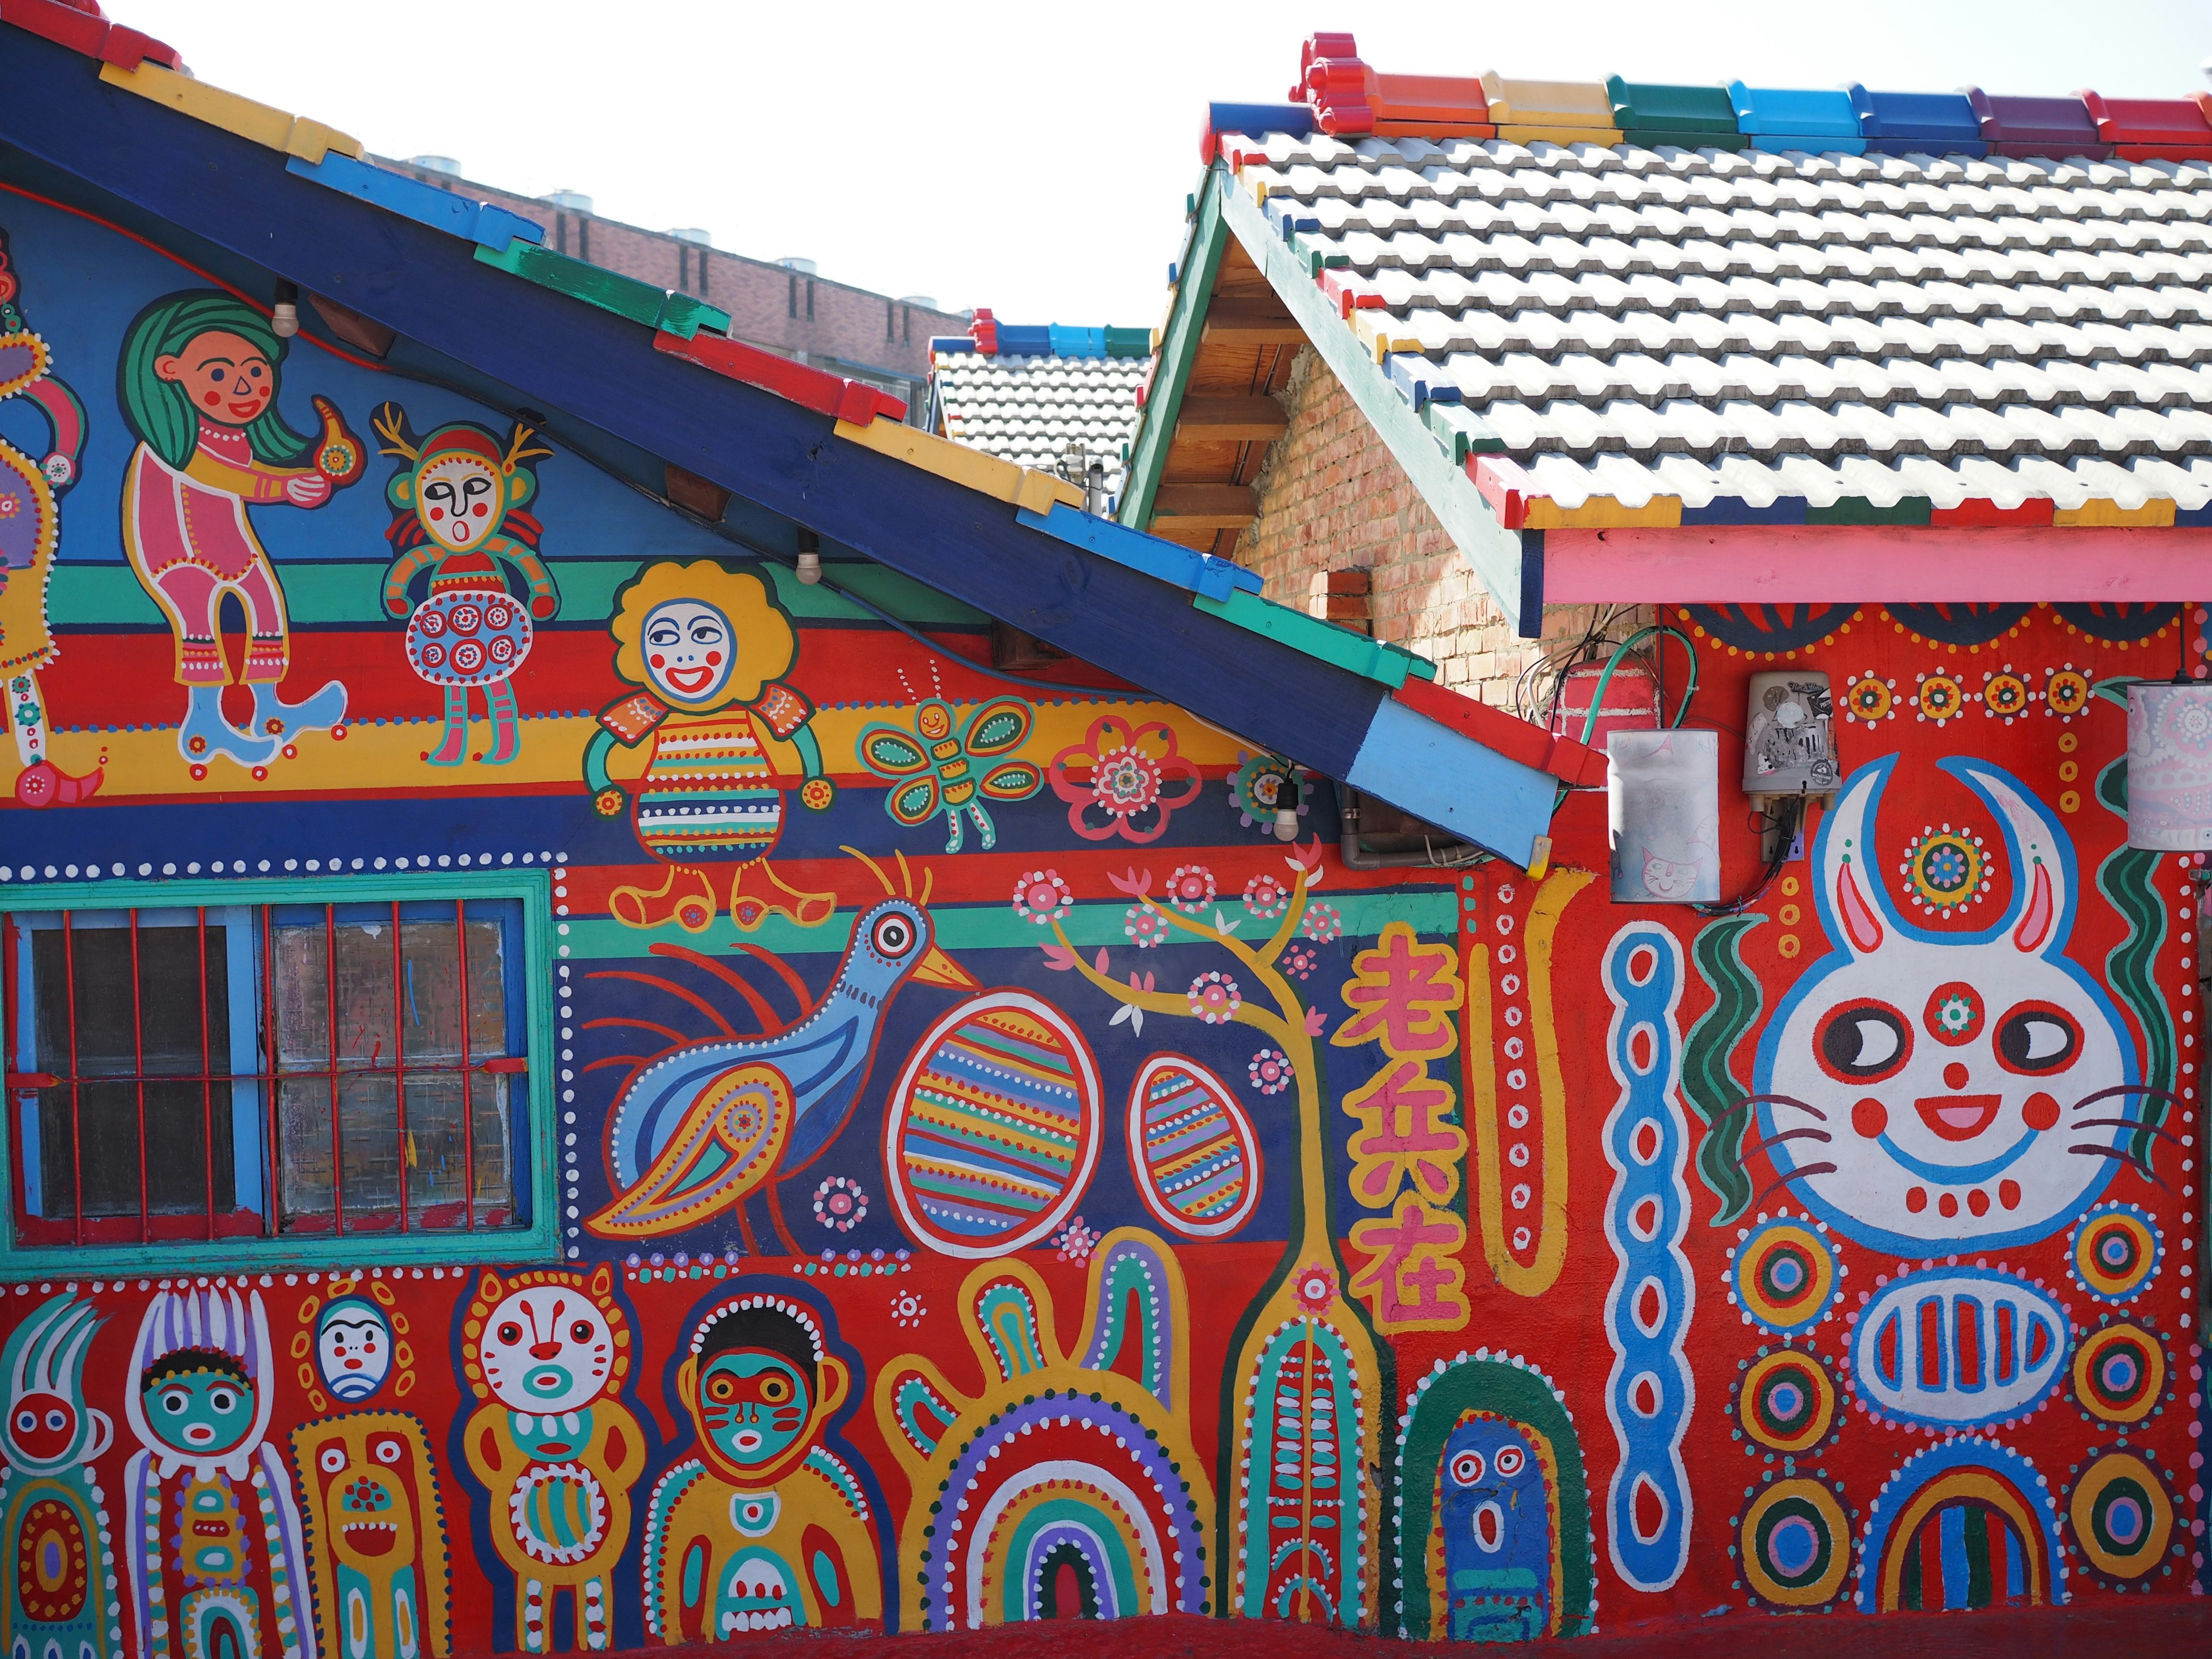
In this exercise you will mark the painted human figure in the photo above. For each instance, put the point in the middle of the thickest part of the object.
(216, 1565)
(457, 513)
(197, 382)
(1494, 1512)
(52, 1516)
(553, 1442)
(30, 526)
(353, 1347)
(706, 649)
(765, 1528)
(376, 1536)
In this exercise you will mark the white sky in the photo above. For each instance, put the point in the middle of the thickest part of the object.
(1033, 158)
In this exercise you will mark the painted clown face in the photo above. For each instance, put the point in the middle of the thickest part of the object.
(460, 497)
(689, 651)
(547, 1348)
(203, 1411)
(1970, 1089)
(353, 1348)
(755, 1405)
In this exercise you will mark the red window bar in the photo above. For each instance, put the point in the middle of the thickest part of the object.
(156, 1219)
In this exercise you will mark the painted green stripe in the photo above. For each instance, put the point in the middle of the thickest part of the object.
(1859, 510)
(1148, 455)
(109, 595)
(1369, 658)
(994, 927)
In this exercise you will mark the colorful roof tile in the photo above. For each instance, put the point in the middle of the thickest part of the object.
(1034, 407)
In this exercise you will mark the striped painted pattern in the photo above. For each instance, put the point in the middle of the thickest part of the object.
(1195, 1150)
(1964, 1555)
(995, 1124)
(708, 792)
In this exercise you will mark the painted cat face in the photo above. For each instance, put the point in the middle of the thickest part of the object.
(754, 1405)
(546, 1348)
(1960, 1088)
(688, 650)
(204, 1414)
(353, 1348)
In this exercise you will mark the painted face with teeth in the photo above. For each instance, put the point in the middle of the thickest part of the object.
(364, 1479)
(547, 1350)
(198, 1401)
(689, 651)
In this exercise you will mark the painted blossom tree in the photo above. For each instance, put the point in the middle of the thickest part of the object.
(1296, 1459)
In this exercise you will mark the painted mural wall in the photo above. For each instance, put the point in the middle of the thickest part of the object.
(678, 1109)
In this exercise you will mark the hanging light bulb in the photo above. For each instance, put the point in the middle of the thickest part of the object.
(285, 315)
(1286, 809)
(810, 557)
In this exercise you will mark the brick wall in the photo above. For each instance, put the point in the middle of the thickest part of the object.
(832, 325)
(1332, 499)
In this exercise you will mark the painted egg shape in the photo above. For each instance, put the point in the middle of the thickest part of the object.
(1957, 1347)
(1196, 1158)
(993, 1128)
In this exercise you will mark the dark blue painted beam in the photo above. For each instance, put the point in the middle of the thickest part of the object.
(599, 368)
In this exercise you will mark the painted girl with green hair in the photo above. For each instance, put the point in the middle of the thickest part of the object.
(197, 381)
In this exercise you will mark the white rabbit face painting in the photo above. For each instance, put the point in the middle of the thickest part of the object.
(1918, 1090)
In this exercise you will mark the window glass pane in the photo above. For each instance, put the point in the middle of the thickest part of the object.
(182, 1113)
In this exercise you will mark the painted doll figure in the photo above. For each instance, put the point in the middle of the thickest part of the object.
(30, 526)
(376, 1536)
(1497, 1533)
(705, 647)
(216, 1566)
(197, 381)
(553, 1442)
(765, 1528)
(457, 513)
(52, 1522)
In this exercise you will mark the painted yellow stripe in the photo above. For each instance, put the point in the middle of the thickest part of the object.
(1603, 512)
(293, 135)
(2151, 515)
(970, 468)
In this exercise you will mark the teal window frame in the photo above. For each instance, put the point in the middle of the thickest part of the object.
(536, 1158)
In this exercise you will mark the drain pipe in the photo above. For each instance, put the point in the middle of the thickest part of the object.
(1452, 855)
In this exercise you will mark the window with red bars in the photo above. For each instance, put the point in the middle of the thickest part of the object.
(234, 1072)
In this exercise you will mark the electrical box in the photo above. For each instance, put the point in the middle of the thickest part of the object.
(1788, 751)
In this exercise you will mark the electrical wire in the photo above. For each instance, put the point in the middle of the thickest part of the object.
(1786, 823)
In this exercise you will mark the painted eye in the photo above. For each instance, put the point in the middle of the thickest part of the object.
(57, 1419)
(387, 1451)
(1509, 1460)
(581, 1331)
(216, 374)
(26, 1421)
(1863, 1041)
(330, 1459)
(892, 935)
(1467, 1467)
(2037, 1037)
(775, 1389)
(663, 633)
(510, 1333)
(721, 1389)
(222, 1400)
(176, 1402)
(705, 633)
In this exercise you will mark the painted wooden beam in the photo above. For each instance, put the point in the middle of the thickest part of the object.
(1176, 356)
(1498, 555)
(1245, 324)
(1203, 507)
(1222, 420)
(1796, 564)
(1423, 767)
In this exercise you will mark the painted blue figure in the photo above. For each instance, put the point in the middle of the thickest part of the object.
(1494, 1513)
(704, 1125)
(59, 1603)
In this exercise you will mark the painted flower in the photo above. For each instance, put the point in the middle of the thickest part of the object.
(1042, 896)
(1316, 1286)
(1940, 698)
(1077, 1242)
(2188, 722)
(841, 1205)
(1956, 1014)
(1300, 960)
(1322, 923)
(1190, 889)
(2005, 695)
(907, 1309)
(1265, 898)
(1123, 779)
(1260, 785)
(1870, 699)
(1146, 926)
(1215, 998)
(1270, 1070)
(2066, 692)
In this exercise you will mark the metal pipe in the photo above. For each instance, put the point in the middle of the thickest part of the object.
(1452, 855)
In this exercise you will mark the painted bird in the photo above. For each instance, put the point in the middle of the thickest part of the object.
(708, 1123)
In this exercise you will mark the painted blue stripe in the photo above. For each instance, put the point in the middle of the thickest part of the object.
(2015, 1567)
(1952, 1555)
(1254, 119)
(448, 210)
(1187, 569)
(1430, 770)
(950, 343)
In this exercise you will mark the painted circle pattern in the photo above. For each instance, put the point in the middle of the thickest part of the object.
(1787, 1401)
(2119, 1373)
(1785, 1276)
(2115, 1252)
(1795, 1544)
(2122, 1515)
